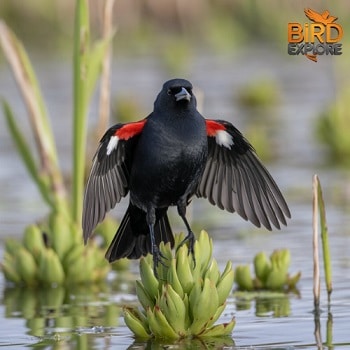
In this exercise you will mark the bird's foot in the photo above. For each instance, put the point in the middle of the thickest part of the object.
(190, 238)
(158, 258)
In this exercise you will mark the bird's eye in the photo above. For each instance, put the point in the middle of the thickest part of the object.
(174, 90)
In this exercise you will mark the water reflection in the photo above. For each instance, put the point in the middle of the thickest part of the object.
(57, 314)
(329, 330)
(90, 317)
(210, 343)
(276, 307)
(265, 304)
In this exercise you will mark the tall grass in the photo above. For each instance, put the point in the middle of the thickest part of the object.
(48, 176)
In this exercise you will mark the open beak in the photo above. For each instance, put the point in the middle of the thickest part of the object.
(183, 95)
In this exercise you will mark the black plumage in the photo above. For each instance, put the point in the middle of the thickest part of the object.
(166, 159)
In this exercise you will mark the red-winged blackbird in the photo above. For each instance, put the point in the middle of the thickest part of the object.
(166, 159)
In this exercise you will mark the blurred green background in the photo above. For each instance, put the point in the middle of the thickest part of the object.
(149, 26)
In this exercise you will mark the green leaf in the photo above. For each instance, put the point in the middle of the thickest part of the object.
(29, 86)
(324, 238)
(25, 153)
(95, 61)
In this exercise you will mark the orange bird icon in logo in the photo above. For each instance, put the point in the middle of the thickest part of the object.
(323, 18)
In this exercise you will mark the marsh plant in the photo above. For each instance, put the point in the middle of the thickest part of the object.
(52, 252)
(332, 129)
(271, 273)
(187, 299)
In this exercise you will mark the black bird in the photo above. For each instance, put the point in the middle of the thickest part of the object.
(166, 159)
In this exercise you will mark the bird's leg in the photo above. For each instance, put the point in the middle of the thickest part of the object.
(181, 209)
(157, 254)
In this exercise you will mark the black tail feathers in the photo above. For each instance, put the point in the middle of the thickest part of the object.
(132, 239)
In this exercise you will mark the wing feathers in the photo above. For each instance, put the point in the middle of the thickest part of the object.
(109, 175)
(234, 179)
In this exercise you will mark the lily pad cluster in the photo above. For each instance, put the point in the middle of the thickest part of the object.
(53, 254)
(270, 273)
(187, 299)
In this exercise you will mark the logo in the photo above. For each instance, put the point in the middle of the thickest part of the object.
(322, 37)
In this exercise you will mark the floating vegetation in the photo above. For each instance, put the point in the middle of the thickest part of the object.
(187, 299)
(259, 100)
(258, 134)
(270, 273)
(126, 109)
(52, 259)
(262, 93)
(333, 128)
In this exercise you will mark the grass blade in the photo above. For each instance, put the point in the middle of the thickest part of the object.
(29, 87)
(319, 215)
(325, 240)
(25, 153)
(96, 56)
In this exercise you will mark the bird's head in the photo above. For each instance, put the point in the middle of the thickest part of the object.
(176, 93)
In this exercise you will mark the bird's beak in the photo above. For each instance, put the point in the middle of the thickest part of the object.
(183, 95)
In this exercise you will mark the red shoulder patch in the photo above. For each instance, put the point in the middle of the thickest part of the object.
(213, 127)
(130, 130)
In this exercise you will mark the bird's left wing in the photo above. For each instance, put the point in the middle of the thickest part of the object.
(108, 181)
(234, 178)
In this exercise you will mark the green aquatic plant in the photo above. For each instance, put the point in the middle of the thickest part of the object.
(187, 299)
(270, 273)
(57, 259)
(333, 128)
(127, 108)
(53, 252)
(262, 93)
(258, 135)
(258, 100)
(319, 217)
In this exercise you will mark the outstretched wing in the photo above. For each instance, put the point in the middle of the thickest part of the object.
(108, 181)
(234, 178)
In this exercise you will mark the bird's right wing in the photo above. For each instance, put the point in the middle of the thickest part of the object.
(108, 181)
